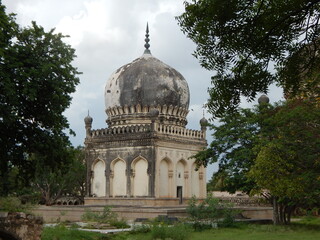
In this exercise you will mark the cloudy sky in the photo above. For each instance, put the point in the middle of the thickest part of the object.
(110, 33)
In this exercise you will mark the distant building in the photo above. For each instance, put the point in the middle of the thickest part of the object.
(142, 157)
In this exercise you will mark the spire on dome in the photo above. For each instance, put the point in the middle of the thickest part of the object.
(147, 40)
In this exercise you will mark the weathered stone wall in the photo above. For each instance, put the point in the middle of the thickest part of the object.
(20, 226)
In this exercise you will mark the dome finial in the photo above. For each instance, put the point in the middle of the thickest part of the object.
(147, 40)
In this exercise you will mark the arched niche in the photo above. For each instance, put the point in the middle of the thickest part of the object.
(118, 178)
(139, 177)
(98, 184)
(181, 175)
(165, 177)
(195, 181)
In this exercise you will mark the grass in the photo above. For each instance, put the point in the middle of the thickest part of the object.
(307, 228)
(62, 233)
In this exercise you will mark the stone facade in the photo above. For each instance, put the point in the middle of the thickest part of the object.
(159, 153)
(20, 226)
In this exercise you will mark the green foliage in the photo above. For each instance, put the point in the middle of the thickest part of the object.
(274, 148)
(251, 44)
(37, 80)
(288, 163)
(54, 183)
(210, 213)
(175, 232)
(144, 228)
(120, 224)
(13, 204)
(234, 139)
(107, 216)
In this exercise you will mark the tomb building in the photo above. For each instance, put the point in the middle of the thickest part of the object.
(143, 155)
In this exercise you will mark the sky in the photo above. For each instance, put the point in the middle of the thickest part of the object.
(108, 34)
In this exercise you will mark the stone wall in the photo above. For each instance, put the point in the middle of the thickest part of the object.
(20, 226)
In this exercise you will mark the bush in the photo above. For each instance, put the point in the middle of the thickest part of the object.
(140, 229)
(106, 216)
(210, 212)
(13, 204)
(119, 223)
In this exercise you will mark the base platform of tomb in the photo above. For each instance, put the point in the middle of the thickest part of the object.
(143, 201)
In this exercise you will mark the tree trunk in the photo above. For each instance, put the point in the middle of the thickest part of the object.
(275, 211)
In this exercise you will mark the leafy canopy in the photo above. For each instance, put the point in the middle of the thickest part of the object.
(36, 80)
(252, 44)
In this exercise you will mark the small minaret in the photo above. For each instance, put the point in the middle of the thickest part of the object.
(88, 124)
(147, 40)
(204, 124)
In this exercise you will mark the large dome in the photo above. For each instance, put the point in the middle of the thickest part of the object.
(135, 89)
(146, 81)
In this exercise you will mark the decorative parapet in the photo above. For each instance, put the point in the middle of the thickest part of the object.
(158, 128)
(121, 130)
(179, 131)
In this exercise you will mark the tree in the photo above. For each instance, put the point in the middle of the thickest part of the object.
(288, 163)
(66, 181)
(234, 139)
(252, 44)
(271, 150)
(36, 80)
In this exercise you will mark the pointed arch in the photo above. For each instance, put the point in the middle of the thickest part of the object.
(118, 177)
(165, 177)
(180, 171)
(140, 177)
(98, 179)
(181, 175)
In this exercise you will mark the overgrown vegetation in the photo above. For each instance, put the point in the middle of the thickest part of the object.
(307, 228)
(211, 213)
(107, 216)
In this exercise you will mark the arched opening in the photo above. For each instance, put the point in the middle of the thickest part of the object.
(140, 177)
(98, 186)
(180, 179)
(119, 179)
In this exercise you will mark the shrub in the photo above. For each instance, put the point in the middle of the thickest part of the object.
(13, 204)
(119, 223)
(106, 216)
(210, 212)
(141, 229)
